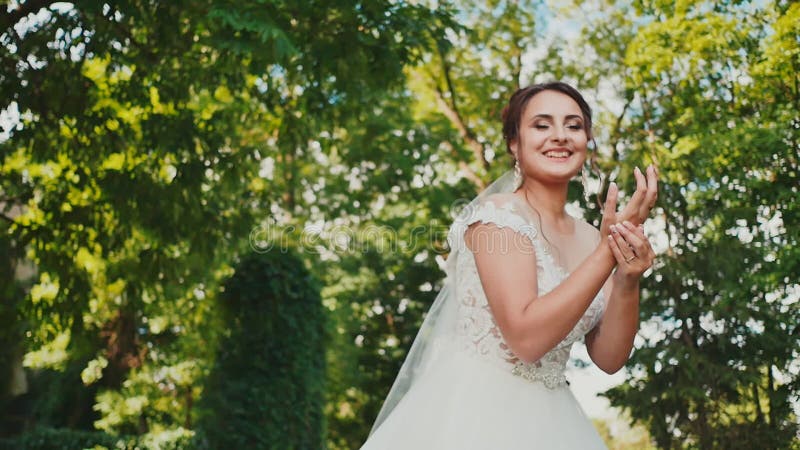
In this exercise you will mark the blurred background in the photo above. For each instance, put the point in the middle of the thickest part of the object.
(222, 221)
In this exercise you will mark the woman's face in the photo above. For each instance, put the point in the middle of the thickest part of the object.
(552, 138)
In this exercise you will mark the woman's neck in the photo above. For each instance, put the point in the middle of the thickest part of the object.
(548, 199)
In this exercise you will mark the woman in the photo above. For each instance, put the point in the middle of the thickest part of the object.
(525, 280)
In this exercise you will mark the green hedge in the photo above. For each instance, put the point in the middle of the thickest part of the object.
(64, 439)
(266, 390)
(11, 331)
(67, 439)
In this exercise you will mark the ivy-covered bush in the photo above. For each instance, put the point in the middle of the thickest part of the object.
(11, 332)
(66, 439)
(43, 438)
(266, 388)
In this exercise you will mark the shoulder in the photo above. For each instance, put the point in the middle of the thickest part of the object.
(501, 209)
(498, 212)
(502, 198)
(507, 204)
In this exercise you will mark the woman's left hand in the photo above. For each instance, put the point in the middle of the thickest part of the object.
(631, 249)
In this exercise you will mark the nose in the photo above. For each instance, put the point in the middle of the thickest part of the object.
(559, 135)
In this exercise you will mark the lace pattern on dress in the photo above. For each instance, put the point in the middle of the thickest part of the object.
(477, 330)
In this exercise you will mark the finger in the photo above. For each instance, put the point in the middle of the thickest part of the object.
(626, 231)
(632, 209)
(625, 249)
(651, 194)
(652, 182)
(610, 206)
(615, 250)
(646, 249)
(638, 230)
(641, 183)
(644, 238)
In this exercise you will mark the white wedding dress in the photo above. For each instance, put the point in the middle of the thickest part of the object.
(471, 392)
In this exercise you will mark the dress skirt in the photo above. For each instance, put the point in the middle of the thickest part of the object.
(465, 403)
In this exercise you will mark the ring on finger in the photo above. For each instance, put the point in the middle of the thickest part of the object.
(631, 258)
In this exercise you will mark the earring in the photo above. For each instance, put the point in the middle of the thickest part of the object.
(517, 175)
(588, 164)
(585, 183)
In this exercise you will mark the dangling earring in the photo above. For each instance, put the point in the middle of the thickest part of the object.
(587, 167)
(585, 183)
(517, 175)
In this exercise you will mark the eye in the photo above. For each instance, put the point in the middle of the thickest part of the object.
(575, 126)
(540, 126)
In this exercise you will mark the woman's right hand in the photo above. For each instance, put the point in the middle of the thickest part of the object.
(631, 249)
(638, 208)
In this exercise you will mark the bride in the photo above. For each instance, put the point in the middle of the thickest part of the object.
(525, 280)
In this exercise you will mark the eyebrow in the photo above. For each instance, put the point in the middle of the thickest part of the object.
(550, 117)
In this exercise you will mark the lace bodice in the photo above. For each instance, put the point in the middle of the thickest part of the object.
(477, 331)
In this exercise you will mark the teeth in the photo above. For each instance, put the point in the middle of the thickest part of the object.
(557, 154)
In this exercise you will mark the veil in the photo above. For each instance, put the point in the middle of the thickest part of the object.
(439, 327)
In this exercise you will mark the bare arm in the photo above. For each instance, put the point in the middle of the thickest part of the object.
(506, 263)
(610, 342)
(532, 325)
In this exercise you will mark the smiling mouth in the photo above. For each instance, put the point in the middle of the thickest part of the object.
(558, 154)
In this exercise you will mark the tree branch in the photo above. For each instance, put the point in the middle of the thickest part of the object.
(772, 414)
(471, 175)
(467, 170)
(757, 401)
(451, 111)
(463, 131)
(605, 178)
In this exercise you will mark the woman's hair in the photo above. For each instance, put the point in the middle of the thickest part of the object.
(512, 113)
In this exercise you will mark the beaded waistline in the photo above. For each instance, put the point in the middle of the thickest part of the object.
(551, 379)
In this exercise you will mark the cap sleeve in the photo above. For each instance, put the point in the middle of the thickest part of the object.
(498, 211)
(503, 214)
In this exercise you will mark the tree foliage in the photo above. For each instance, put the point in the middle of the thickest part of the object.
(138, 168)
(266, 388)
(711, 92)
(158, 142)
(69, 439)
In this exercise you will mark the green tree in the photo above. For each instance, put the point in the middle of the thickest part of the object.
(619, 438)
(266, 389)
(713, 94)
(140, 164)
(154, 136)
